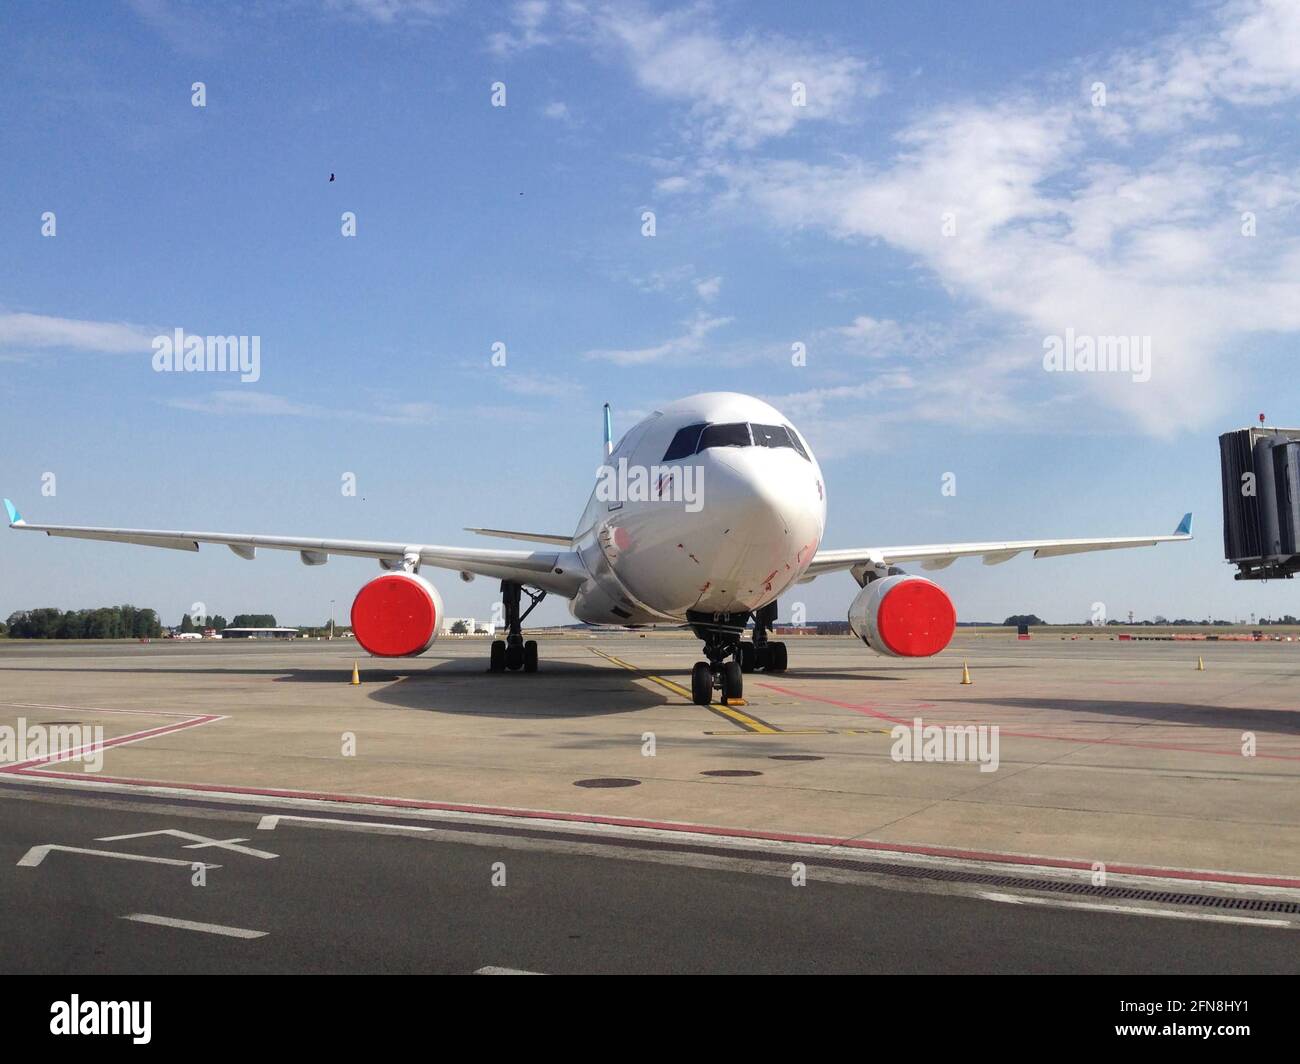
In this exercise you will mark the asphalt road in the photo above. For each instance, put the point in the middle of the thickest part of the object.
(356, 901)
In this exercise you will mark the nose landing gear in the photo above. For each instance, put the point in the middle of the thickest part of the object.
(514, 653)
(724, 675)
(721, 635)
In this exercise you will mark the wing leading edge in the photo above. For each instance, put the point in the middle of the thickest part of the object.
(940, 556)
(552, 570)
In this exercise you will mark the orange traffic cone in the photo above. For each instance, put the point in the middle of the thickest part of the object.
(965, 674)
(356, 676)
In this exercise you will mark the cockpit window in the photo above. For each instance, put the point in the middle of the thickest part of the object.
(777, 436)
(684, 443)
(735, 435)
(696, 438)
(770, 436)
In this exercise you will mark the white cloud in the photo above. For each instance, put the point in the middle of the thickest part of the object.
(557, 111)
(389, 12)
(1058, 226)
(1250, 57)
(42, 331)
(708, 289)
(536, 384)
(740, 90)
(689, 343)
(237, 402)
(247, 402)
(670, 186)
(527, 19)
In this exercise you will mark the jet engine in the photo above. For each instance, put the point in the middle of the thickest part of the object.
(397, 615)
(903, 616)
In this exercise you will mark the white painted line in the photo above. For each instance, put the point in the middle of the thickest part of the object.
(198, 842)
(269, 822)
(191, 925)
(37, 854)
(1133, 910)
(538, 820)
(92, 710)
(491, 970)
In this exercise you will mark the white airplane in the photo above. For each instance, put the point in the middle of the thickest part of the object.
(703, 515)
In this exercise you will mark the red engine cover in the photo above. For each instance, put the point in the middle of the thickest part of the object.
(396, 615)
(903, 616)
(916, 619)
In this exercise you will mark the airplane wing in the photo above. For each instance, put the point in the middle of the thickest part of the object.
(940, 556)
(534, 537)
(552, 570)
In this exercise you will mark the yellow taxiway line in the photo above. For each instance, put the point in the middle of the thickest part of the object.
(744, 720)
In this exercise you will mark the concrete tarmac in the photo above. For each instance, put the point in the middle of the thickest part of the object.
(1113, 758)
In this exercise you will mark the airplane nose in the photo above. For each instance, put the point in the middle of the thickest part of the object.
(756, 503)
(745, 493)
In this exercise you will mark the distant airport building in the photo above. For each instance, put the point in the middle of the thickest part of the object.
(468, 626)
(259, 633)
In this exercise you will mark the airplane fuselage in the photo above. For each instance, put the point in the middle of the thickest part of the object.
(714, 504)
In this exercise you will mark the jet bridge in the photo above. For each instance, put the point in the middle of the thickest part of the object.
(1260, 468)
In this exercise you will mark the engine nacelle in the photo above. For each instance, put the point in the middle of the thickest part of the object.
(903, 616)
(397, 615)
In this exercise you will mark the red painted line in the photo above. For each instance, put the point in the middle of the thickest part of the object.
(697, 829)
(866, 709)
(120, 740)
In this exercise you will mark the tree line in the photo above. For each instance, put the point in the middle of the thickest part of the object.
(115, 622)
(107, 622)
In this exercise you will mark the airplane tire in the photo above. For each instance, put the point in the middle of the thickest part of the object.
(733, 683)
(530, 656)
(497, 661)
(514, 657)
(748, 656)
(701, 684)
(777, 659)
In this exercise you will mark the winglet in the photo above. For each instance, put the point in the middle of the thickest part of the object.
(15, 518)
(1184, 526)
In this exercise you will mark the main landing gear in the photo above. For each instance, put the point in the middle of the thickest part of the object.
(722, 641)
(763, 653)
(513, 653)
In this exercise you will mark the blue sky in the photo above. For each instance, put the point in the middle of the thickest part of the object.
(949, 195)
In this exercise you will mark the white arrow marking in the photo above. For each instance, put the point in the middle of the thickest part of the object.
(200, 842)
(37, 854)
(190, 925)
(492, 970)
